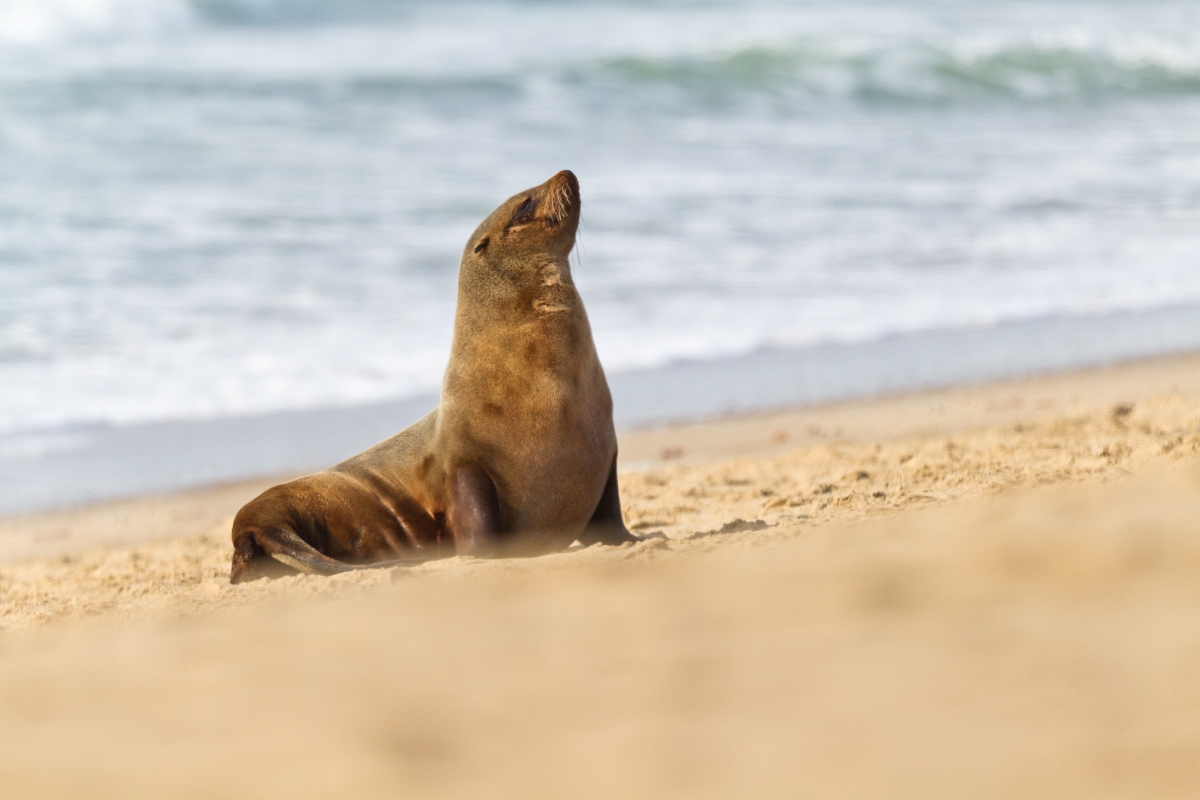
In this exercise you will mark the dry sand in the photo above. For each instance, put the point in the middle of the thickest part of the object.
(986, 592)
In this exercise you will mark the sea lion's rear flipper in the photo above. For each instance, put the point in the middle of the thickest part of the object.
(606, 525)
(285, 546)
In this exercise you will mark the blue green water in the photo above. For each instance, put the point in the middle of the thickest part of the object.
(210, 209)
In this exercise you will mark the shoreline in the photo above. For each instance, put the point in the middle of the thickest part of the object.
(87, 464)
(922, 414)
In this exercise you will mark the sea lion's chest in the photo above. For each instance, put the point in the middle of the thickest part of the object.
(528, 392)
(531, 406)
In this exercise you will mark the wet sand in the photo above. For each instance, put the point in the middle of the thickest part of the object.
(981, 592)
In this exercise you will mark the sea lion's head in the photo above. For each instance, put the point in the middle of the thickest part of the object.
(528, 227)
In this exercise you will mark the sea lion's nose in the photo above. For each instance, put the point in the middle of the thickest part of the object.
(561, 198)
(566, 180)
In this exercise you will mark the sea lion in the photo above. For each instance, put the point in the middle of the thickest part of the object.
(519, 457)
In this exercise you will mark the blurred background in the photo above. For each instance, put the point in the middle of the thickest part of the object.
(218, 208)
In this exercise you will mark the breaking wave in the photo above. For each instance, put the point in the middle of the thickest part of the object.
(927, 71)
(868, 66)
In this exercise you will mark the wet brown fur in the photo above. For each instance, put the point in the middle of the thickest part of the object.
(518, 458)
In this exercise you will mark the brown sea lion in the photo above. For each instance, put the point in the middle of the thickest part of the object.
(519, 457)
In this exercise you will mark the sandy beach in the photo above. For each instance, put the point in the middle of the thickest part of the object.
(989, 591)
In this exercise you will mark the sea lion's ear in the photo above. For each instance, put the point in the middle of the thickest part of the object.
(483, 243)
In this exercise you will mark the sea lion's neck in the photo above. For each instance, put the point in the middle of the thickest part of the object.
(555, 292)
(535, 326)
(491, 301)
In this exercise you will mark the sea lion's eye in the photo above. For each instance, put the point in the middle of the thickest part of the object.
(483, 243)
(522, 214)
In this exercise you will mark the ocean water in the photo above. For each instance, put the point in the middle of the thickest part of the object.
(214, 208)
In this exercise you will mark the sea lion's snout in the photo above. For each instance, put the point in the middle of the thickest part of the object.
(554, 202)
(561, 200)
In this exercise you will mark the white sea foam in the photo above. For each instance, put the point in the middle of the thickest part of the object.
(40, 22)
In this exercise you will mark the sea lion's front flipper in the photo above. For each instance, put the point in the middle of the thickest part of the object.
(474, 512)
(606, 525)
